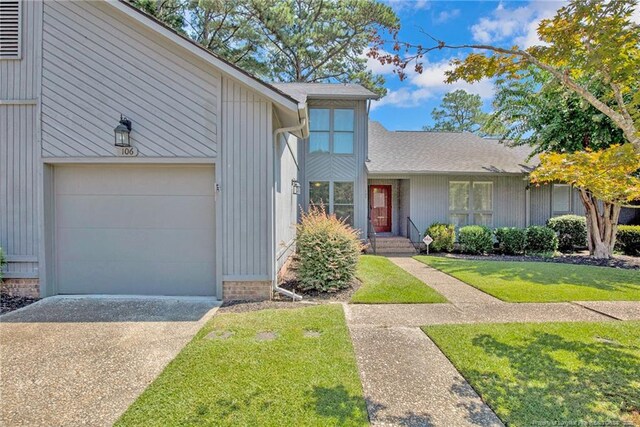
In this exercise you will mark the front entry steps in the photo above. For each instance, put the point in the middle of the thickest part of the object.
(393, 245)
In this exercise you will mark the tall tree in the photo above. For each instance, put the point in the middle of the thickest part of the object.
(171, 12)
(459, 112)
(288, 40)
(586, 41)
(538, 111)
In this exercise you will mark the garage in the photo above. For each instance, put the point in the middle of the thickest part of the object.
(135, 229)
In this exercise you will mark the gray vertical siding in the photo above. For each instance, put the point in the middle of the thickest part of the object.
(286, 201)
(429, 198)
(99, 63)
(541, 204)
(246, 172)
(19, 79)
(328, 167)
(18, 189)
(19, 155)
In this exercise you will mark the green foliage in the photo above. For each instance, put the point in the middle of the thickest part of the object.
(541, 240)
(628, 239)
(475, 239)
(443, 235)
(459, 112)
(571, 230)
(511, 240)
(328, 250)
(539, 111)
(288, 40)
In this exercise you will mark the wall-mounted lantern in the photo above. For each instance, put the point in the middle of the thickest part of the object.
(122, 132)
(295, 186)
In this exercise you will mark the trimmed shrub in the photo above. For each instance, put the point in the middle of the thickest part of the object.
(541, 240)
(511, 240)
(571, 231)
(328, 250)
(628, 239)
(475, 239)
(443, 235)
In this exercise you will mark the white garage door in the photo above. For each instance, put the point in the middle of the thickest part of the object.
(131, 229)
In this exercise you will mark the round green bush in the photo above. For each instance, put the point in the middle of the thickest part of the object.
(541, 240)
(328, 249)
(511, 240)
(443, 235)
(571, 231)
(475, 239)
(628, 239)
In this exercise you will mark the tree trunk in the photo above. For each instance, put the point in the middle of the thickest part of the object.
(602, 225)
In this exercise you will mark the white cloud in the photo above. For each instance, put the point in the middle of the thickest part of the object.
(375, 66)
(430, 84)
(446, 15)
(518, 25)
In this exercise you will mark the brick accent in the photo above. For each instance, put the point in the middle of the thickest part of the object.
(21, 287)
(250, 291)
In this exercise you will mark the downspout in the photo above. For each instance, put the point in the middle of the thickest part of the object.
(274, 278)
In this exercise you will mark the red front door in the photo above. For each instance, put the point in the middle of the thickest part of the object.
(380, 207)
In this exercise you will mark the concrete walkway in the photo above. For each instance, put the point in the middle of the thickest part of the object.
(73, 362)
(408, 381)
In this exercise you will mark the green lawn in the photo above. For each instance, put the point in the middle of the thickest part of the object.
(552, 373)
(290, 380)
(384, 282)
(542, 281)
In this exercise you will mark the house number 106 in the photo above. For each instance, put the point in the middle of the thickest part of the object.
(127, 151)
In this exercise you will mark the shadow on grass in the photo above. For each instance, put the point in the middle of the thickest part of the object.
(603, 278)
(551, 379)
(345, 409)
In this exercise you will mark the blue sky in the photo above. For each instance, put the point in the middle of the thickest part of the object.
(408, 104)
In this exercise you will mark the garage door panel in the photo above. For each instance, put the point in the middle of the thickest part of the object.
(93, 211)
(137, 180)
(108, 244)
(137, 278)
(131, 229)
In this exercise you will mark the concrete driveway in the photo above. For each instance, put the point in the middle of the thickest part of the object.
(82, 361)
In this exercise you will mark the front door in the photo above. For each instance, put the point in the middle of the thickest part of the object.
(380, 207)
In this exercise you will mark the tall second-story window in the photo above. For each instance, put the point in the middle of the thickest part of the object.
(331, 130)
(10, 29)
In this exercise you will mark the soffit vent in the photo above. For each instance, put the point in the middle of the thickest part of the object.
(10, 29)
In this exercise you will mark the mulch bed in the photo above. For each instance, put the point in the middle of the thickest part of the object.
(10, 303)
(579, 258)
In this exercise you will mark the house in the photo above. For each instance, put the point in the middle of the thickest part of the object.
(133, 161)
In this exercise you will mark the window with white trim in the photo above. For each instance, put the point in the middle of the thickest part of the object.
(331, 130)
(561, 199)
(10, 29)
(471, 202)
(336, 197)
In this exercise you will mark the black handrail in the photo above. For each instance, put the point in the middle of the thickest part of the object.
(414, 235)
(371, 235)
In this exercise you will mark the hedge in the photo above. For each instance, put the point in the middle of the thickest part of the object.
(541, 240)
(628, 239)
(443, 235)
(511, 240)
(475, 239)
(571, 231)
(328, 249)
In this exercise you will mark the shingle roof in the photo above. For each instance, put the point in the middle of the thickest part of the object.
(442, 152)
(302, 91)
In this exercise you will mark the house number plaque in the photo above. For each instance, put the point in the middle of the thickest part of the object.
(126, 151)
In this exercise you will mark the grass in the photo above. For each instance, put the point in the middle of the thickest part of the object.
(552, 373)
(383, 282)
(290, 380)
(542, 281)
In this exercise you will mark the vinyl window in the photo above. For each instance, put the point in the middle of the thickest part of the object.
(561, 198)
(331, 130)
(336, 197)
(470, 202)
